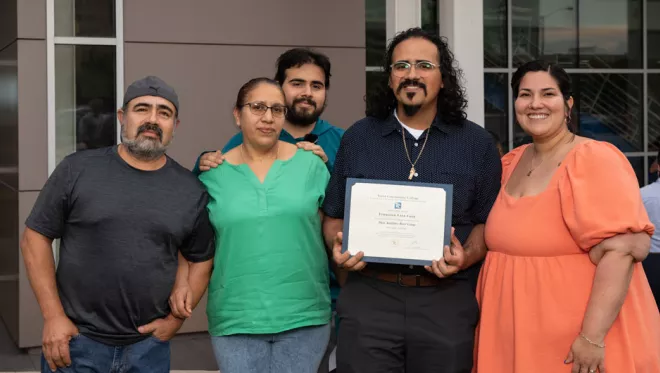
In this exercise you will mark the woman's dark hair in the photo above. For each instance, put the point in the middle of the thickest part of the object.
(381, 100)
(497, 141)
(560, 76)
(297, 57)
(250, 86)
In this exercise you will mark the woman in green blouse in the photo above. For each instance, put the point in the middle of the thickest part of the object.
(269, 302)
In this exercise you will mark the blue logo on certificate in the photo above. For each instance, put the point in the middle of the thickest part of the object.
(397, 205)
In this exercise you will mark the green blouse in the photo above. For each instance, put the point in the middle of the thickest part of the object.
(271, 269)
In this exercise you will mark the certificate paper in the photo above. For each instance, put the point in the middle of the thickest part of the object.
(397, 222)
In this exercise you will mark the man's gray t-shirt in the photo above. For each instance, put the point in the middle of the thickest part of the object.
(121, 229)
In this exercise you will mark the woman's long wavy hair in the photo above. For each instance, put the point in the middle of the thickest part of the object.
(381, 100)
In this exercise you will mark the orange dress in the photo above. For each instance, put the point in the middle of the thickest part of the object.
(537, 277)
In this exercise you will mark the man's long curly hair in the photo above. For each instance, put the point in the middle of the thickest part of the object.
(381, 100)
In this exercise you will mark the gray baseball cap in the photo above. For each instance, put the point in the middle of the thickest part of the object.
(151, 86)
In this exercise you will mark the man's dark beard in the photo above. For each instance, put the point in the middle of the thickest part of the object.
(411, 110)
(303, 119)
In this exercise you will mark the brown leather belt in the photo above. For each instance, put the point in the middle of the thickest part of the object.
(402, 279)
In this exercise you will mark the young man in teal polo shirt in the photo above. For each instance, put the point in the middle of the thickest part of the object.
(305, 79)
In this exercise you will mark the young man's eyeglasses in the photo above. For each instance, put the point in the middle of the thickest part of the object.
(423, 68)
(259, 108)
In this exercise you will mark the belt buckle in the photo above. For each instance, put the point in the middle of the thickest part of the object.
(399, 280)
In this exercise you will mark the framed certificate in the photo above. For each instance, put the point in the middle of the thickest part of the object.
(397, 222)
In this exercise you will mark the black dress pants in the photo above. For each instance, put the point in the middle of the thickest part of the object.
(389, 328)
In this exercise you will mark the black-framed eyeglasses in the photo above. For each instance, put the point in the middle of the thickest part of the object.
(423, 68)
(259, 108)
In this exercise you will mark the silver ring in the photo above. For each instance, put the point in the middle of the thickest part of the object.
(592, 371)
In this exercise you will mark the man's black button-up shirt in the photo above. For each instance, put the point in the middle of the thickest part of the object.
(461, 154)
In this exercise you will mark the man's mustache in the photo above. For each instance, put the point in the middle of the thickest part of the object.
(150, 127)
(410, 83)
(306, 100)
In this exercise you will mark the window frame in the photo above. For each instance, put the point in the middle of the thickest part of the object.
(52, 41)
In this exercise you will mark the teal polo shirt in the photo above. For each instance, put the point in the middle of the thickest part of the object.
(329, 137)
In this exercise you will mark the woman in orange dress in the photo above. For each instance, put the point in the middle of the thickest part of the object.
(562, 288)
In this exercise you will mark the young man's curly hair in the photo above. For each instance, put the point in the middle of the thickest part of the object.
(381, 101)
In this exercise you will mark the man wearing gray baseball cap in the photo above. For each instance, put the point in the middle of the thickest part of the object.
(128, 217)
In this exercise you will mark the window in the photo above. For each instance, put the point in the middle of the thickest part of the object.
(653, 33)
(85, 74)
(376, 34)
(602, 46)
(430, 15)
(85, 18)
(85, 97)
(496, 97)
(653, 112)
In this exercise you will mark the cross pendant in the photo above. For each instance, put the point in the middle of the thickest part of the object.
(412, 173)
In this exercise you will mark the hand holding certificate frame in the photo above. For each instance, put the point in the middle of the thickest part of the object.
(397, 222)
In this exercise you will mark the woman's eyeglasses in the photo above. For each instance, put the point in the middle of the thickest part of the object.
(259, 108)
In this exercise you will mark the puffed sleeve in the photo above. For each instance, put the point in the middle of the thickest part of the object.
(600, 195)
(509, 160)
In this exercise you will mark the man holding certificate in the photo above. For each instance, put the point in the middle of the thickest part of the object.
(412, 186)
